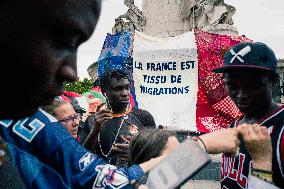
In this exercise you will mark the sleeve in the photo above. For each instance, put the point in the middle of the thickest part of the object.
(280, 152)
(80, 168)
(147, 119)
(54, 147)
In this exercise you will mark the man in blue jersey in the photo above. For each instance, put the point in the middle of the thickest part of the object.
(39, 42)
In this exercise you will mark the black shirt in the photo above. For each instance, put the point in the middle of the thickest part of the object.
(111, 130)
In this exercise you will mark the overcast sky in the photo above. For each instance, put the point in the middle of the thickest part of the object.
(259, 20)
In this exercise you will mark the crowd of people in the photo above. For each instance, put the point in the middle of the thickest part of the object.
(45, 144)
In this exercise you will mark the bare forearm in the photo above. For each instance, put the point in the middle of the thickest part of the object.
(146, 166)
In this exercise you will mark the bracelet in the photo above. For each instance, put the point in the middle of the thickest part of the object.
(263, 174)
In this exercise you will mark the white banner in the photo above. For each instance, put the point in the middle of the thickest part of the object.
(165, 73)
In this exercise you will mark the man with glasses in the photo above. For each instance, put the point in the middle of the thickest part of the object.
(64, 112)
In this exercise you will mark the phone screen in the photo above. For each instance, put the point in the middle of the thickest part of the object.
(107, 102)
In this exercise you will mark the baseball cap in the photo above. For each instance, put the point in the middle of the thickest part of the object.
(249, 55)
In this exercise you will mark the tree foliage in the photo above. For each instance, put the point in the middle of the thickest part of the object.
(80, 86)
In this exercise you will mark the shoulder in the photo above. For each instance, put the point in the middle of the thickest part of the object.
(46, 117)
(28, 128)
(142, 113)
(145, 116)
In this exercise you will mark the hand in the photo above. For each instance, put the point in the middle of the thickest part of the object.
(258, 144)
(101, 116)
(143, 187)
(98, 120)
(221, 141)
(122, 149)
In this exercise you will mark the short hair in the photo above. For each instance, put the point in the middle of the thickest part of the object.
(56, 103)
(148, 143)
(108, 75)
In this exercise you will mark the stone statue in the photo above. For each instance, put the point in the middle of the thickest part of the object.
(132, 20)
(207, 14)
(93, 70)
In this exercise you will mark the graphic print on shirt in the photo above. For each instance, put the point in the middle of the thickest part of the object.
(233, 169)
(108, 175)
(24, 128)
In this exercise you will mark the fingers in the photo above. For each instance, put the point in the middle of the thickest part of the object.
(124, 139)
(100, 106)
(103, 115)
(103, 111)
(257, 130)
(253, 132)
(120, 148)
(265, 131)
(102, 119)
(143, 187)
(124, 159)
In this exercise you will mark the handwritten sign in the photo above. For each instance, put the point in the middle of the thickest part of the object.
(166, 80)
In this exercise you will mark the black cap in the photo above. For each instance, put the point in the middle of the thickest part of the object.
(249, 55)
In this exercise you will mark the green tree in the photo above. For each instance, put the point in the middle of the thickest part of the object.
(80, 86)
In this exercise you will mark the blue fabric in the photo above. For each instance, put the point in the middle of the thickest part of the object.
(35, 173)
(117, 49)
(54, 153)
(112, 63)
(119, 44)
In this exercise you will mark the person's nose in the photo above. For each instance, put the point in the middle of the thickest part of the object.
(68, 70)
(125, 92)
(76, 122)
(243, 93)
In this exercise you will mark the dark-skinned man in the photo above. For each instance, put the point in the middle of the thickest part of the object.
(250, 74)
(123, 120)
(39, 42)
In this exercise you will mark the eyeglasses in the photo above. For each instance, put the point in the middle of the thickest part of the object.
(70, 120)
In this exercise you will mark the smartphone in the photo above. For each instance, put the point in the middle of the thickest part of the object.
(107, 102)
(178, 167)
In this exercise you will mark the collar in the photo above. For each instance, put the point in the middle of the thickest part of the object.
(263, 120)
(128, 110)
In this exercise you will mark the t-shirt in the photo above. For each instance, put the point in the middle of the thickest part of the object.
(235, 171)
(121, 126)
(58, 155)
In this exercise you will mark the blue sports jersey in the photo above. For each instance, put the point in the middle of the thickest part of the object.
(52, 149)
(33, 172)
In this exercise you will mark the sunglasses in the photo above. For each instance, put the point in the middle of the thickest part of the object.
(70, 120)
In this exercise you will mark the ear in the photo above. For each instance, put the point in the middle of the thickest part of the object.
(273, 80)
